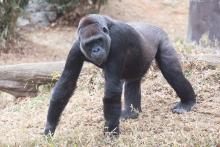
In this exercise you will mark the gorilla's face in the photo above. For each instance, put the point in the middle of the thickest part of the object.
(95, 42)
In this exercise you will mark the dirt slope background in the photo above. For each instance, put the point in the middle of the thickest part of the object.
(22, 121)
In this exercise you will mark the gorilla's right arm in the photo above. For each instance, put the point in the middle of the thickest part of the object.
(64, 87)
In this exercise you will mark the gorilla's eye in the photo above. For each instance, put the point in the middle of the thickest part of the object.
(105, 30)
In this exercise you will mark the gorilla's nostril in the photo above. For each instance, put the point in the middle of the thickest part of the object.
(95, 50)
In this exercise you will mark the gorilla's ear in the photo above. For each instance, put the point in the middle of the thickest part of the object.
(109, 22)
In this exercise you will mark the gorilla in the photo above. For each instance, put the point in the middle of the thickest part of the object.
(124, 51)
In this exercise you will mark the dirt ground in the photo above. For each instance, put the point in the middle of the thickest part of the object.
(22, 121)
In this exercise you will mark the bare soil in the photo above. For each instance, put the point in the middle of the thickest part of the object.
(22, 120)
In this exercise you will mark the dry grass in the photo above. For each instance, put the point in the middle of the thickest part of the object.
(82, 120)
(22, 121)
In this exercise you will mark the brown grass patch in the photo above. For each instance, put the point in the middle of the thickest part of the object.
(82, 120)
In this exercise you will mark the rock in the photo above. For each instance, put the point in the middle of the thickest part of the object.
(39, 13)
(51, 8)
(51, 16)
(39, 18)
(22, 21)
(32, 7)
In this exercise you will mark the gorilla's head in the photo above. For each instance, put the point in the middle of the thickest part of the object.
(94, 38)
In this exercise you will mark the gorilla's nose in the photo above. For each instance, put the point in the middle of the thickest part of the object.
(96, 50)
(98, 55)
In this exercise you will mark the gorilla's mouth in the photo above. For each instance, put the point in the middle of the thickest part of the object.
(98, 59)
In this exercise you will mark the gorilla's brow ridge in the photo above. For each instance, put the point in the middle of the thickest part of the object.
(93, 38)
(84, 24)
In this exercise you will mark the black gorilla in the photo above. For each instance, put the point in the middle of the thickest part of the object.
(124, 51)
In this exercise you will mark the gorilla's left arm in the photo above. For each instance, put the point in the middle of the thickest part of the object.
(64, 88)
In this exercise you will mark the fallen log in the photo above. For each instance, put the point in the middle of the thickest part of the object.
(212, 60)
(23, 80)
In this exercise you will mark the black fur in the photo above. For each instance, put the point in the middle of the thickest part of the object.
(124, 51)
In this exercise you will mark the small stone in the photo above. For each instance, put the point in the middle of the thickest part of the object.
(21, 21)
(39, 18)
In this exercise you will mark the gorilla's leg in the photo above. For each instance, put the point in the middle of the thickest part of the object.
(132, 99)
(171, 69)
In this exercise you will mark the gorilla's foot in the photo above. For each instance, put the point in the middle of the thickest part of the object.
(183, 107)
(49, 130)
(111, 129)
(113, 133)
(126, 114)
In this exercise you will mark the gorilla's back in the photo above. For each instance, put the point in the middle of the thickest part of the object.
(151, 37)
(150, 33)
